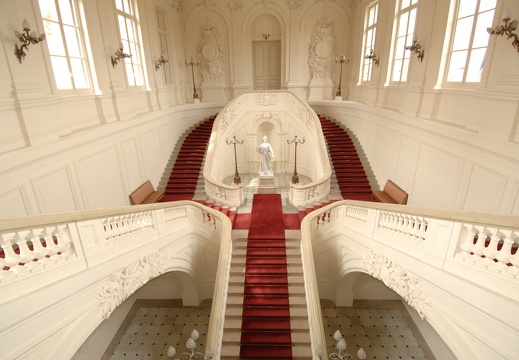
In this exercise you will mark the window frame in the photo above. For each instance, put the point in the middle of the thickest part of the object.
(138, 53)
(409, 36)
(455, 19)
(367, 64)
(86, 56)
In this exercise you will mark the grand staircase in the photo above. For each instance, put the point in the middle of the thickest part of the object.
(256, 326)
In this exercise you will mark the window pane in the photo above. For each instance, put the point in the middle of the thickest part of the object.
(79, 73)
(402, 26)
(467, 7)
(487, 5)
(480, 34)
(119, 5)
(129, 73)
(412, 21)
(61, 72)
(405, 69)
(66, 10)
(54, 39)
(131, 29)
(400, 48)
(477, 58)
(122, 27)
(457, 66)
(72, 37)
(48, 10)
(397, 70)
(138, 76)
(128, 7)
(404, 4)
(463, 32)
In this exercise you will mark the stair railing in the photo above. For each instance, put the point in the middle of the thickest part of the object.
(471, 257)
(89, 262)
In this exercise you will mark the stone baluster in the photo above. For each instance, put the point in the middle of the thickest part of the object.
(481, 233)
(504, 255)
(491, 250)
(10, 257)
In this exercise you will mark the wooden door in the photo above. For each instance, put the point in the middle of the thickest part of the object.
(267, 65)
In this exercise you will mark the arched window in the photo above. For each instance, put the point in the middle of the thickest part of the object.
(370, 31)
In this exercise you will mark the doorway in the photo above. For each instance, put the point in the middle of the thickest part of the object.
(266, 65)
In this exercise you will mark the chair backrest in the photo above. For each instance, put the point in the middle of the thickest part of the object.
(396, 193)
(142, 192)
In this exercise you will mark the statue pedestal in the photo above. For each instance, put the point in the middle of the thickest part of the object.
(266, 185)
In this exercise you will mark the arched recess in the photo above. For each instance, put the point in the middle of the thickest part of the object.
(269, 125)
(256, 23)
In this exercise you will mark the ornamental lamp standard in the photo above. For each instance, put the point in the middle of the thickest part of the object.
(193, 63)
(234, 141)
(341, 61)
(295, 140)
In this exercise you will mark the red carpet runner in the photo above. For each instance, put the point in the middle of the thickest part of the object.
(352, 179)
(266, 313)
(184, 175)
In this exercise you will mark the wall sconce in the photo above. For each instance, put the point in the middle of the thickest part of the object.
(266, 36)
(28, 37)
(416, 49)
(373, 57)
(119, 55)
(191, 345)
(341, 346)
(342, 60)
(506, 29)
(161, 61)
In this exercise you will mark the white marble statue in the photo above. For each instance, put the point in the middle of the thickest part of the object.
(266, 156)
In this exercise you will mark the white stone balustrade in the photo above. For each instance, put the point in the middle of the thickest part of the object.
(28, 250)
(432, 258)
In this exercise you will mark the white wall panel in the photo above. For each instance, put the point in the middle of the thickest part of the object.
(386, 145)
(515, 199)
(151, 154)
(131, 164)
(405, 163)
(437, 178)
(54, 193)
(101, 181)
(484, 190)
(13, 203)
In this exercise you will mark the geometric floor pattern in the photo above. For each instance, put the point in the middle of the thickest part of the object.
(383, 328)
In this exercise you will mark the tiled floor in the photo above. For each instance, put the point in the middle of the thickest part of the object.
(383, 328)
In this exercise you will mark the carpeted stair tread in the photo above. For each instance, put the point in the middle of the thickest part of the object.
(266, 270)
(258, 338)
(266, 244)
(266, 261)
(262, 300)
(266, 352)
(263, 290)
(266, 312)
(267, 324)
(270, 279)
(266, 252)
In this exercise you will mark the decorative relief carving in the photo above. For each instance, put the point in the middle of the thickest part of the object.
(295, 4)
(323, 49)
(177, 5)
(300, 110)
(267, 116)
(231, 113)
(235, 6)
(400, 280)
(122, 284)
(210, 54)
(266, 99)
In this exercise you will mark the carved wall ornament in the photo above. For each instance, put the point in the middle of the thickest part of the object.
(235, 6)
(231, 112)
(210, 54)
(177, 5)
(322, 50)
(400, 280)
(266, 99)
(295, 4)
(120, 285)
(267, 116)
